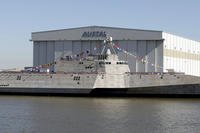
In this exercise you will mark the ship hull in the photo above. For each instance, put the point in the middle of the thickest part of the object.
(171, 90)
(99, 84)
(189, 89)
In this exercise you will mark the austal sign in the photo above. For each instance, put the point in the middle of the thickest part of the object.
(92, 34)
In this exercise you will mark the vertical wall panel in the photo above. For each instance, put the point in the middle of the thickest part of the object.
(159, 56)
(123, 45)
(67, 48)
(93, 47)
(150, 56)
(40, 53)
(99, 45)
(43, 53)
(141, 49)
(76, 47)
(85, 46)
(36, 54)
(96, 47)
(59, 49)
(132, 48)
(50, 53)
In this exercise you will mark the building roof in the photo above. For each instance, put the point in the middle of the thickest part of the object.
(95, 26)
(77, 34)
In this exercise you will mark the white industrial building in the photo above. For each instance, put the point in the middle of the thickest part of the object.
(156, 51)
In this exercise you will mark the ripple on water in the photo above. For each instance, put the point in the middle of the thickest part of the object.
(73, 114)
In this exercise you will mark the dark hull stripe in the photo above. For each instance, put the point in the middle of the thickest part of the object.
(190, 89)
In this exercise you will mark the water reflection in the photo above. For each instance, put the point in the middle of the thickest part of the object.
(66, 114)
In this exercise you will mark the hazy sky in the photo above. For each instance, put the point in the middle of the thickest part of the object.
(18, 18)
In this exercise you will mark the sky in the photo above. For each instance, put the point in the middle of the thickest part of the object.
(19, 18)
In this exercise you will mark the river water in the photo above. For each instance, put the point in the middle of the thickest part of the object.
(35, 114)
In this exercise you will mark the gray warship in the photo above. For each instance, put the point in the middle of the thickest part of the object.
(97, 74)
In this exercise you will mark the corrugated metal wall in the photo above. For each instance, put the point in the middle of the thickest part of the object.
(86, 46)
(59, 49)
(67, 48)
(50, 52)
(141, 52)
(36, 53)
(150, 56)
(159, 56)
(42, 52)
(132, 48)
(152, 51)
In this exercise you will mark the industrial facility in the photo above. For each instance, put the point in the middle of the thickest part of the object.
(151, 51)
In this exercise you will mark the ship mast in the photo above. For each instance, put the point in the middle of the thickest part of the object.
(108, 46)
